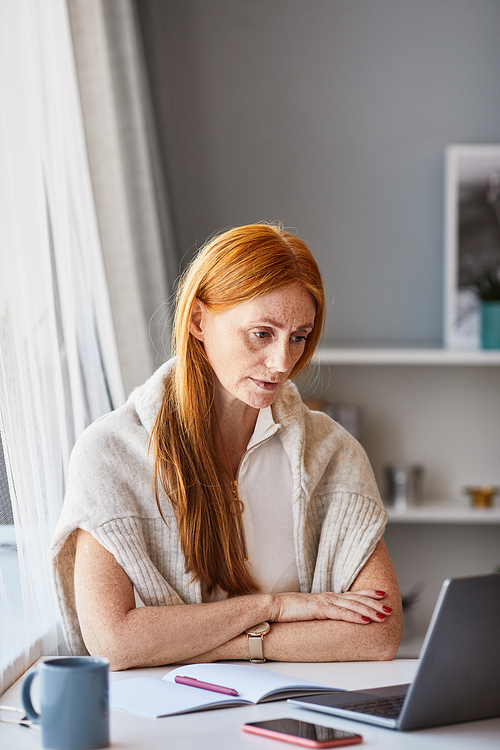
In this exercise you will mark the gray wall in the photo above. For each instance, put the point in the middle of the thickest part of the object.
(332, 117)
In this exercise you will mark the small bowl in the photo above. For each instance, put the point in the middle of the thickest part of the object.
(482, 496)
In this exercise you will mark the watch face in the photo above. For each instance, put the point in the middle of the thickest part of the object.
(259, 629)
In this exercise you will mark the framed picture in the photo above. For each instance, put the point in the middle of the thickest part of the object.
(472, 237)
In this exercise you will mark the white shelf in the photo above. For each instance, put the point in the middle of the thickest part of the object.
(394, 356)
(445, 513)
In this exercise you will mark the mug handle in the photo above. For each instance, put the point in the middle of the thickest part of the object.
(26, 697)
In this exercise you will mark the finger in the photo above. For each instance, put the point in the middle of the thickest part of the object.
(346, 614)
(365, 597)
(375, 594)
(376, 607)
(364, 607)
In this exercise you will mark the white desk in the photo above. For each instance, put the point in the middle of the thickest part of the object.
(221, 729)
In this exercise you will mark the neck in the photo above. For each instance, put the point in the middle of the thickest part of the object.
(236, 424)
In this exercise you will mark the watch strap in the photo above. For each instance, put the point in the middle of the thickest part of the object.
(255, 637)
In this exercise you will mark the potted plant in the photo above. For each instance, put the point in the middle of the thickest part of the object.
(488, 291)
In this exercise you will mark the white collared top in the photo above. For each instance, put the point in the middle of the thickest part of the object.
(265, 487)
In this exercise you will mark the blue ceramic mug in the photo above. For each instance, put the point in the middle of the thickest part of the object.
(74, 698)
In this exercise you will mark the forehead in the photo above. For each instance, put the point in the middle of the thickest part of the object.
(287, 305)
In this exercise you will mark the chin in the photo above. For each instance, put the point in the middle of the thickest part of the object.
(261, 401)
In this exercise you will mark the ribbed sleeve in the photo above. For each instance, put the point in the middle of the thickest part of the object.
(351, 530)
(63, 573)
(125, 539)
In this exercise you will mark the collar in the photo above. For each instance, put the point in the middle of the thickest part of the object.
(264, 427)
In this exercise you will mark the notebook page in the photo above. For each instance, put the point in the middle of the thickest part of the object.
(252, 683)
(151, 697)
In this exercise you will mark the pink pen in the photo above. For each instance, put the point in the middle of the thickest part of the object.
(192, 682)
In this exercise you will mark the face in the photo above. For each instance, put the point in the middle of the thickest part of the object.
(254, 346)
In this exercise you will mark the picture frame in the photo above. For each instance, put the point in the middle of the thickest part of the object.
(472, 236)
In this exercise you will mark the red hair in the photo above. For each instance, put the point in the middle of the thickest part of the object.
(189, 460)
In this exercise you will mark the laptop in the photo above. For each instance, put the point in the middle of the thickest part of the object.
(458, 676)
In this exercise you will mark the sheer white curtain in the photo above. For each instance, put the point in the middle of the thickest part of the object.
(58, 361)
(133, 213)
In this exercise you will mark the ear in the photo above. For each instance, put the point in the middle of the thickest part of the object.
(196, 321)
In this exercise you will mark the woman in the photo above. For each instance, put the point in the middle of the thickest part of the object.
(218, 498)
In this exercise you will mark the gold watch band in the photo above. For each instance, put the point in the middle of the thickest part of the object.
(255, 637)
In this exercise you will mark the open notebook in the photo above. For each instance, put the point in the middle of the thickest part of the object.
(154, 697)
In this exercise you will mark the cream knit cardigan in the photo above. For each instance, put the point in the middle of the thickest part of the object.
(338, 515)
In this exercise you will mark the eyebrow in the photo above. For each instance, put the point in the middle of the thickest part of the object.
(275, 324)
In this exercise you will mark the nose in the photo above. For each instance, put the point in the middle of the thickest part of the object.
(279, 358)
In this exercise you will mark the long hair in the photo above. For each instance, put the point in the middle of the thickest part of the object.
(189, 460)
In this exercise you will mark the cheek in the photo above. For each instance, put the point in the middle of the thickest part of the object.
(229, 354)
(243, 355)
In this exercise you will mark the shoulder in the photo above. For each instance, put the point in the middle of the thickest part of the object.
(109, 474)
(108, 438)
(127, 428)
(332, 460)
(111, 466)
(346, 465)
(315, 428)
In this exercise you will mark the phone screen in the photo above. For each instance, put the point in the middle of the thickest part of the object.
(303, 733)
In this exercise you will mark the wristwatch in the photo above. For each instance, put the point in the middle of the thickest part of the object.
(255, 641)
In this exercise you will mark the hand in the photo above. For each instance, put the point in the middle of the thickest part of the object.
(361, 607)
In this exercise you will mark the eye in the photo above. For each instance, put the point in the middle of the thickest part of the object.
(262, 334)
(298, 339)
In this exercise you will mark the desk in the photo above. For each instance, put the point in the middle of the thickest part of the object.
(220, 729)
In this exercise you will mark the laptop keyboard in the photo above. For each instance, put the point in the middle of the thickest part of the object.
(388, 708)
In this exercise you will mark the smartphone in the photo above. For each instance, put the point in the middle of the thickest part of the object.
(302, 733)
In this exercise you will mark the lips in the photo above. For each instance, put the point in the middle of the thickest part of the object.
(266, 385)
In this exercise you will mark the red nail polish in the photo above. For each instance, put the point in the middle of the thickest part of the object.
(380, 616)
(387, 609)
(380, 593)
(366, 619)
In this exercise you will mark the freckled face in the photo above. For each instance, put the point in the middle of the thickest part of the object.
(254, 346)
